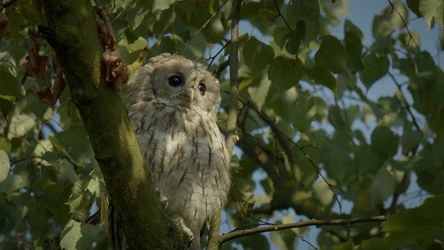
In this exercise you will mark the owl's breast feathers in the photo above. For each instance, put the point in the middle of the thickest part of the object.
(187, 156)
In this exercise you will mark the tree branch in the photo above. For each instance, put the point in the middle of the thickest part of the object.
(234, 81)
(73, 34)
(242, 233)
(232, 116)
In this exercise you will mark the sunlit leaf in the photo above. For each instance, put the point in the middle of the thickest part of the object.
(432, 11)
(137, 45)
(21, 125)
(4, 165)
(79, 201)
(5, 144)
(78, 236)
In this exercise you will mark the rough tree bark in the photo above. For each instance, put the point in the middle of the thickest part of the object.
(72, 32)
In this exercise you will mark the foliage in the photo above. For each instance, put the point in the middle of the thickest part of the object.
(370, 153)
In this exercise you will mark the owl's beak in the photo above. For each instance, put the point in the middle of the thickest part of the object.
(190, 93)
(186, 96)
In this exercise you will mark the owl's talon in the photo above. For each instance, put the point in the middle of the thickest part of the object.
(163, 199)
(180, 223)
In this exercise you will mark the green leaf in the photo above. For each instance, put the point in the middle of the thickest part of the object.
(306, 11)
(256, 241)
(381, 28)
(249, 9)
(397, 15)
(257, 55)
(4, 165)
(353, 45)
(79, 201)
(409, 40)
(331, 55)
(432, 11)
(135, 16)
(385, 142)
(425, 66)
(154, 5)
(322, 192)
(374, 68)
(442, 40)
(377, 243)
(323, 77)
(285, 72)
(137, 45)
(414, 7)
(10, 86)
(5, 144)
(410, 139)
(366, 159)
(22, 125)
(345, 246)
(94, 186)
(164, 22)
(284, 239)
(382, 187)
(11, 184)
(350, 27)
(294, 38)
(6, 104)
(78, 236)
(58, 147)
(422, 224)
(258, 94)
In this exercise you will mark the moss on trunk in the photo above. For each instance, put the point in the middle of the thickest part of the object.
(72, 32)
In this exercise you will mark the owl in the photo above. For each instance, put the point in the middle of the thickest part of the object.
(173, 103)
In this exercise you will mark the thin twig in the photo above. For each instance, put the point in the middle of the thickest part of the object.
(280, 14)
(221, 68)
(415, 123)
(246, 232)
(218, 52)
(274, 224)
(404, 22)
(13, 162)
(202, 27)
(7, 4)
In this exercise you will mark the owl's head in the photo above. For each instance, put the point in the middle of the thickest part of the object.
(175, 81)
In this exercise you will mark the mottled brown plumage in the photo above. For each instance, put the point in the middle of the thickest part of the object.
(172, 105)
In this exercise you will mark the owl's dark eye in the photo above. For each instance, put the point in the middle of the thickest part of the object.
(202, 88)
(176, 81)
